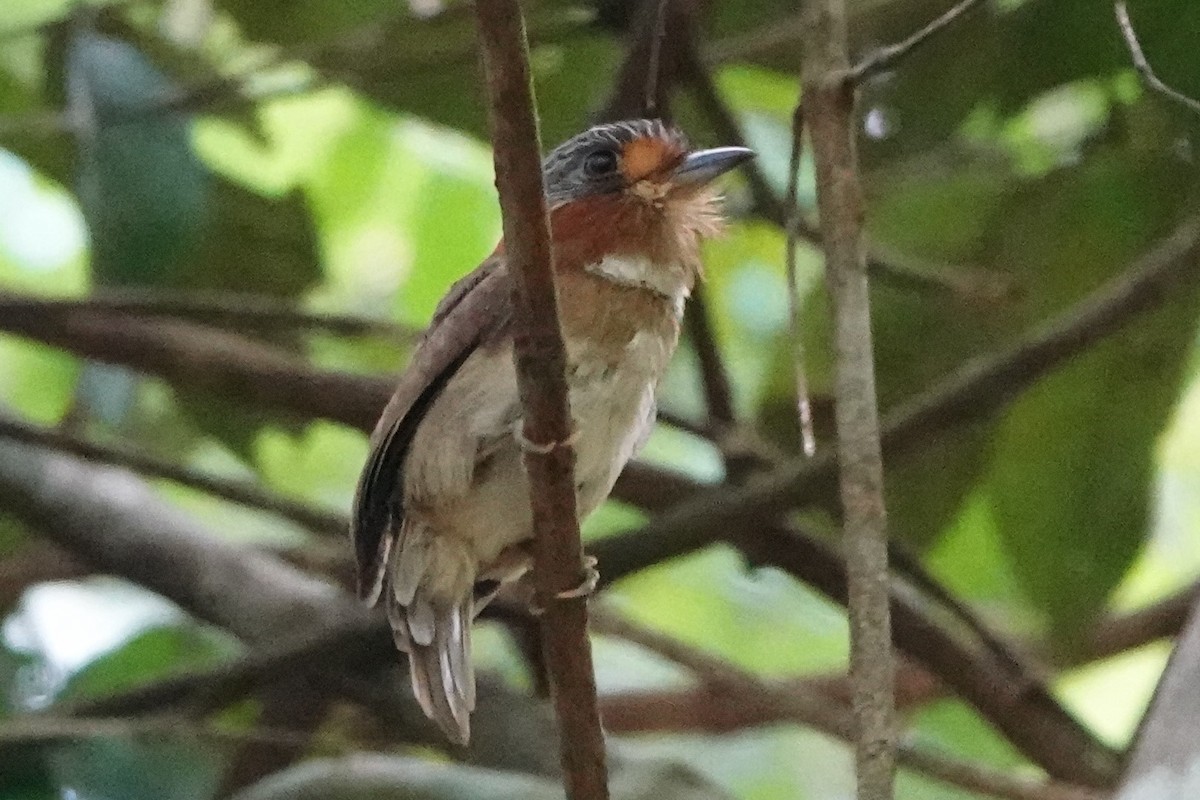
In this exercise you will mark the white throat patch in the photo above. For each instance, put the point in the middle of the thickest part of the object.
(671, 282)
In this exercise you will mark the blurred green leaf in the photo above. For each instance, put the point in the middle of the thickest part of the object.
(711, 600)
(153, 653)
(1074, 459)
(141, 768)
(952, 728)
(142, 190)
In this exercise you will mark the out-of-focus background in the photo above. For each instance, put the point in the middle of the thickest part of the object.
(266, 199)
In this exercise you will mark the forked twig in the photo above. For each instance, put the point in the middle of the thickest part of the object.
(885, 58)
(1152, 81)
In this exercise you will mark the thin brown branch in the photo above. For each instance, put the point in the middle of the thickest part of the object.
(706, 709)
(1120, 633)
(830, 111)
(1025, 711)
(653, 60)
(808, 707)
(321, 522)
(1018, 705)
(540, 358)
(801, 704)
(885, 58)
(718, 394)
(242, 312)
(808, 438)
(654, 63)
(1145, 71)
(772, 208)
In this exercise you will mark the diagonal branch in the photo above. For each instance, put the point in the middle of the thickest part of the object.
(294, 623)
(540, 358)
(982, 386)
(804, 705)
(321, 522)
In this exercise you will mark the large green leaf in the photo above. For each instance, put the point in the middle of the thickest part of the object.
(1072, 472)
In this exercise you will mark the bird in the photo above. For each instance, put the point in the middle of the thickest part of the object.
(441, 516)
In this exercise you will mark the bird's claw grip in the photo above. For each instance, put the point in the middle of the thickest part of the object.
(590, 579)
(542, 448)
(585, 589)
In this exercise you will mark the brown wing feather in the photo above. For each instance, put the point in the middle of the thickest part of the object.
(475, 308)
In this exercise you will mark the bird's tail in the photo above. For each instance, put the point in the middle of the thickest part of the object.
(436, 637)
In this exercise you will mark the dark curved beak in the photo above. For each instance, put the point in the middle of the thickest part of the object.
(702, 166)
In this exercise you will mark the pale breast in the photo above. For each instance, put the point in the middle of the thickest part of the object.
(614, 409)
(464, 478)
(622, 320)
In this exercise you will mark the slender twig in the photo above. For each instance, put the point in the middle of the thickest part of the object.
(240, 311)
(658, 30)
(654, 65)
(885, 58)
(121, 455)
(540, 359)
(714, 376)
(1148, 76)
(810, 708)
(808, 438)
(771, 207)
(1120, 633)
(830, 109)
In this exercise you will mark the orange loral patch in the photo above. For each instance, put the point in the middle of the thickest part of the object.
(645, 157)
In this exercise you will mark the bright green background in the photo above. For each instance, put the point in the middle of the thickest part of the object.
(1016, 148)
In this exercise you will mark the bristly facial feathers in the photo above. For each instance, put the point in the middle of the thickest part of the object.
(442, 514)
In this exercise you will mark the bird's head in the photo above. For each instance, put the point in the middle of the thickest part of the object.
(635, 186)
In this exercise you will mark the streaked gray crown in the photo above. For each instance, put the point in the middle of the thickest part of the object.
(570, 169)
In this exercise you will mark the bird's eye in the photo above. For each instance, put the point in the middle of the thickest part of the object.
(600, 163)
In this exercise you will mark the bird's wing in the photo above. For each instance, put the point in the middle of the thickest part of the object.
(474, 309)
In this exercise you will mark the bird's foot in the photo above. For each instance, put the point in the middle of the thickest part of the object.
(542, 448)
(590, 579)
(585, 589)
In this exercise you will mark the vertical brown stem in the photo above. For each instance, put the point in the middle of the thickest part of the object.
(829, 106)
(540, 359)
